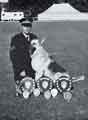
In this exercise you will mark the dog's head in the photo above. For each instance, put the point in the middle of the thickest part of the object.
(34, 45)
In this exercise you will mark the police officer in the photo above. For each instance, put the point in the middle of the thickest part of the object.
(20, 49)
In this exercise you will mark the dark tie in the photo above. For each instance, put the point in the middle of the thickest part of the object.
(28, 37)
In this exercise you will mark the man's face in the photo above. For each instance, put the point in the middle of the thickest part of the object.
(26, 29)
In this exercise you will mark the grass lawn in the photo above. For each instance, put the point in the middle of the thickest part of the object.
(70, 41)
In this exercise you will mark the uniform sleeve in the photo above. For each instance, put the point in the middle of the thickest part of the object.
(34, 36)
(17, 60)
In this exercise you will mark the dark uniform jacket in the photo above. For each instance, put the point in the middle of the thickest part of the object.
(20, 57)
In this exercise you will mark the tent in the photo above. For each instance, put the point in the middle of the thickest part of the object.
(63, 11)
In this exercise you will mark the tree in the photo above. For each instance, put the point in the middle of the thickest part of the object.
(37, 6)
(81, 5)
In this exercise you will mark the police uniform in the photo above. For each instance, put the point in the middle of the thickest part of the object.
(20, 49)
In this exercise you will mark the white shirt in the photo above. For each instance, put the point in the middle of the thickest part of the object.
(26, 36)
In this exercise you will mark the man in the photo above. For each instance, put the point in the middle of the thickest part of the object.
(20, 49)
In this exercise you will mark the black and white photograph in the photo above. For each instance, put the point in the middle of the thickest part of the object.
(43, 60)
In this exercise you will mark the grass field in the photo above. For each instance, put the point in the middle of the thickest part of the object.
(70, 41)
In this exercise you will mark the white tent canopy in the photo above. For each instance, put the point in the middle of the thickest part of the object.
(62, 11)
(3, 1)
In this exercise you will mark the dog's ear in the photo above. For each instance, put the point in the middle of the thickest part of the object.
(32, 50)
